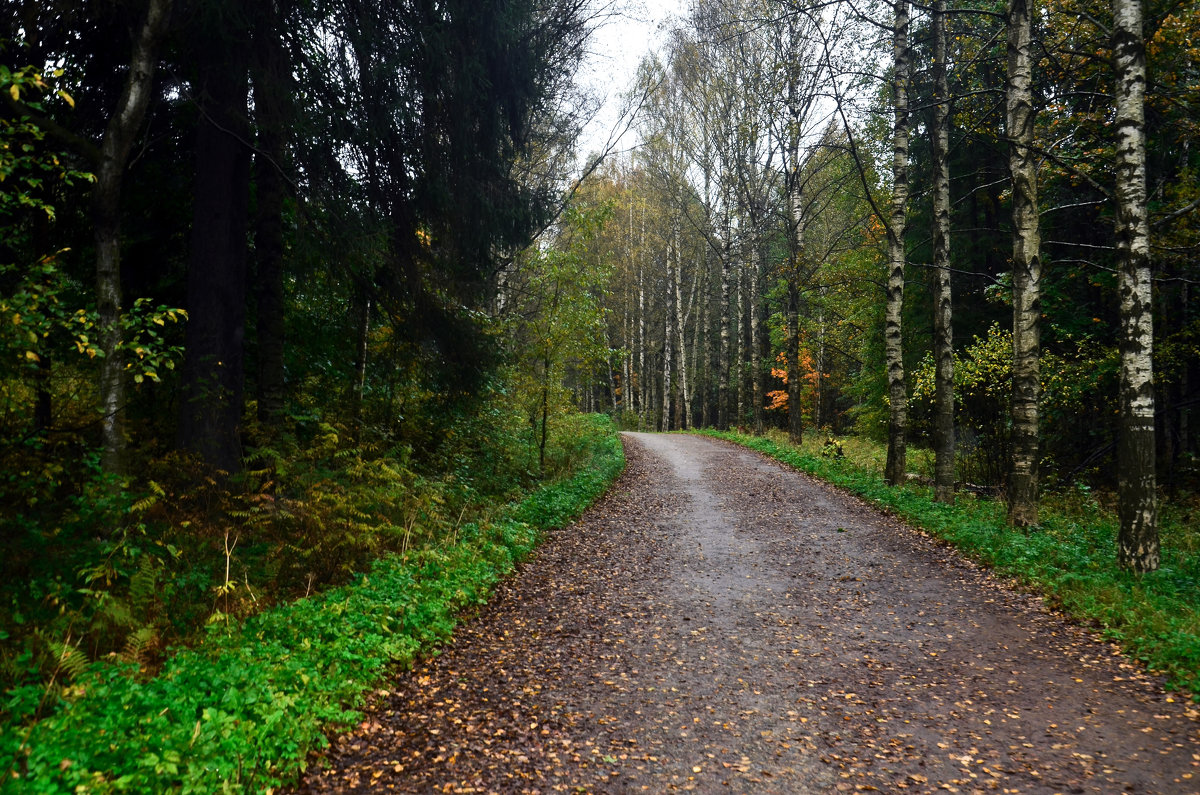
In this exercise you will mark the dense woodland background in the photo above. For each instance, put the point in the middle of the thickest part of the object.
(286, 285)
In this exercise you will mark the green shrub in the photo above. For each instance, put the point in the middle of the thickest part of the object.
(241, 711)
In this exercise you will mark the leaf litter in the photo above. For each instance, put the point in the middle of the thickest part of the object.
(719, 623)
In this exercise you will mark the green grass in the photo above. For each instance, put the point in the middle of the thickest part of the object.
(241, 712)
(1070, 558)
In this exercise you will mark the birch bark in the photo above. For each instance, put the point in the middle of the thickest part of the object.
(756, 341)
(723, 353)
(681, 318)
(893, 339)
(1027, 269)
(1137, 546)
(643, 381)
(668, 334)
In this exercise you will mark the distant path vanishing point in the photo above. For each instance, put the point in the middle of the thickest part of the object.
(720, 623)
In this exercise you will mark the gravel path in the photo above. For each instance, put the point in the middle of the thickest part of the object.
(719, 623)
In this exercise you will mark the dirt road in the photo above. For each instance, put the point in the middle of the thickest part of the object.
(720, 623)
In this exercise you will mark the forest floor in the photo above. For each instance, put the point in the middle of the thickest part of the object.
(720, 623)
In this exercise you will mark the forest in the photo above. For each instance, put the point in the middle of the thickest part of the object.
(290, 287)
(908, 242)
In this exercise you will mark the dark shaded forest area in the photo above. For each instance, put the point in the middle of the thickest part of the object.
(250, 267)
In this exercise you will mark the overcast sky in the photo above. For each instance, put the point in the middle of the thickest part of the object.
(616, 49)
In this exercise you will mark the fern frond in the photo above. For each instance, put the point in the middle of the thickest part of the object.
(143, 585)
(145, 504)
(137, 644)
(69, 659)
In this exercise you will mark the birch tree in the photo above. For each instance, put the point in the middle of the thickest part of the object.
(897, 224)
(1138, 541)
(1026, 267)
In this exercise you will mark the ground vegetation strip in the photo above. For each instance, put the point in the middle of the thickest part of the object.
(721, 623)
(241, 711)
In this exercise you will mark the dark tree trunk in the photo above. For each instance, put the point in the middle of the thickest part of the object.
(43, 406)
(943, 337)
(795, 410)
(119, 136)
(213, 377)
(362, 323)
(270, 89)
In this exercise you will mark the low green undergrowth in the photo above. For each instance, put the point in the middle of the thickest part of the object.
(241, 711)
(1071, 557)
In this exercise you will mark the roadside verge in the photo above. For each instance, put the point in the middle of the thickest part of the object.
(241, 712)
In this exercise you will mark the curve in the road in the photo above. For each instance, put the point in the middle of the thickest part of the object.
(720, 623)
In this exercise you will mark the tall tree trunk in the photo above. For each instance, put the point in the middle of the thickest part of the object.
(1027, 269)
(1137, 547)
(643, 374)
(119, 136)
(820, 363)
(362, 310)
(792, 347)
(613, 375)
(627, 326)
(544, 420)
(270, 92)
(697, 336)
(213, 377)
(897, 223)
(758, 394)
(700, 341)
(739, 369)
(681, 318)
(627, 364)
(943, 339)
(668, 334)
(1183, 421)
(723, 351)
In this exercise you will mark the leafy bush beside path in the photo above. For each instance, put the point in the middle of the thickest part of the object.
(241, 712)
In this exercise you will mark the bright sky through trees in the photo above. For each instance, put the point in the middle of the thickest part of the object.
(620, 42)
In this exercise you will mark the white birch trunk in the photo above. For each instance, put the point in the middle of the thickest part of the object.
(1027, 269)
(758, 396)
(668, 334)
(740, 369)
(1138, 546)
(685, 395)
(643, 380)
(943, 339)
(723, 353)
(893, 338)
